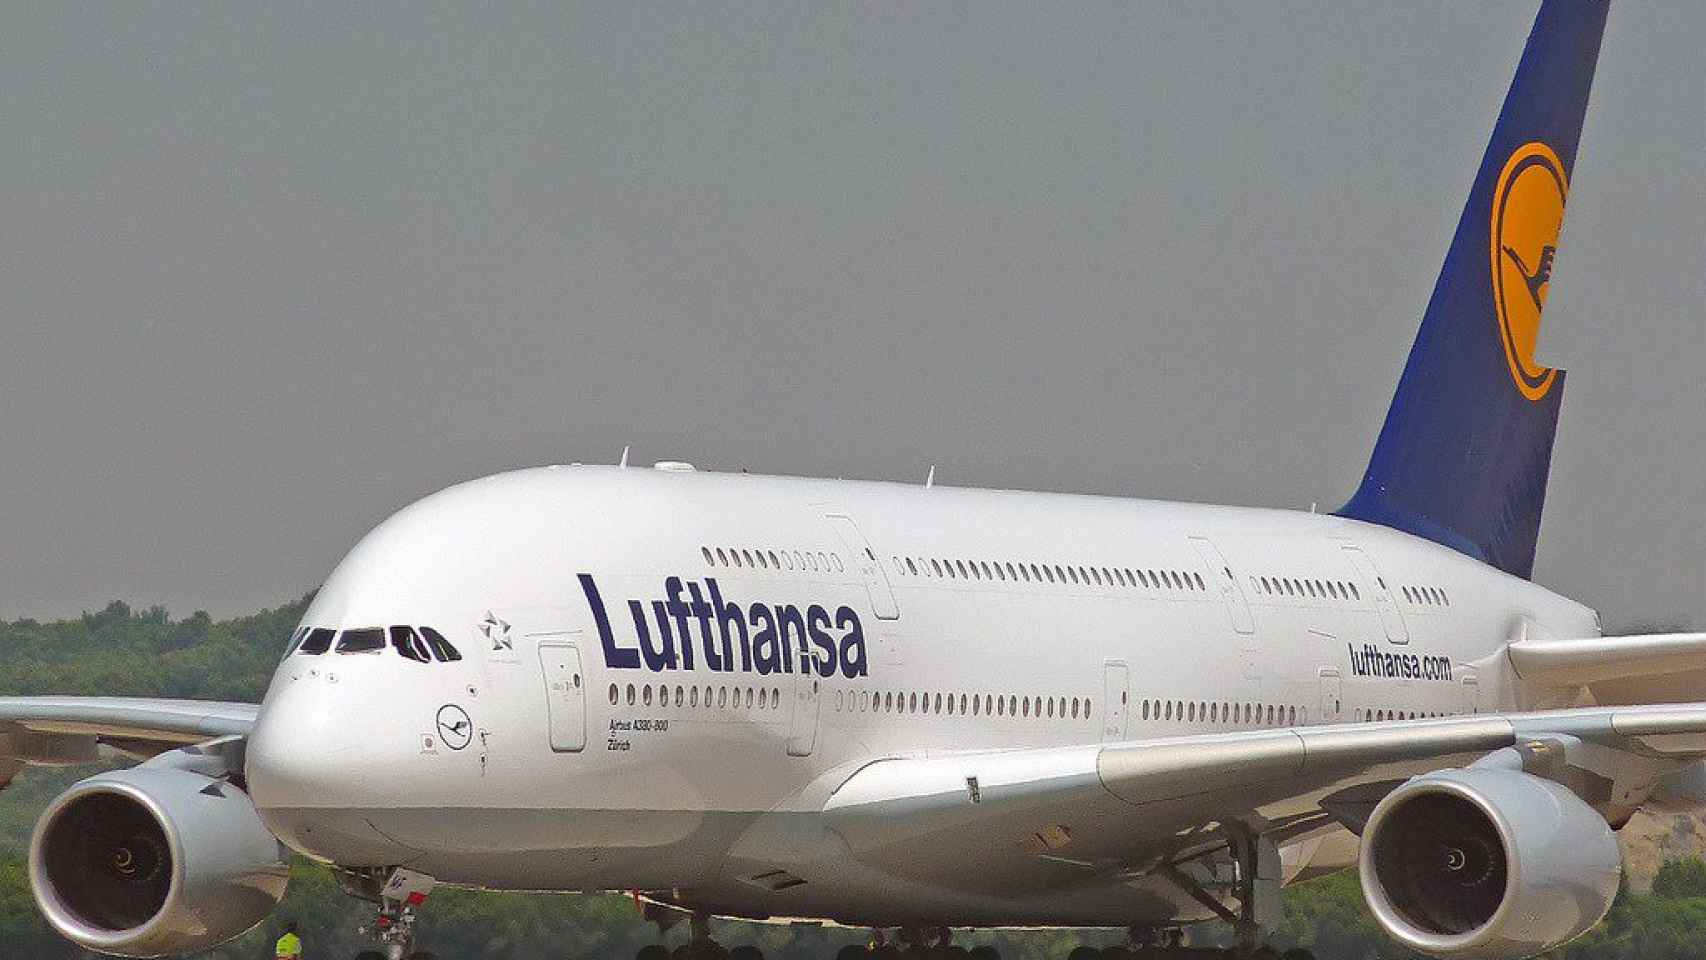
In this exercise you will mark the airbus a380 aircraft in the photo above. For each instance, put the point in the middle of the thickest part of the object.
(919, 708)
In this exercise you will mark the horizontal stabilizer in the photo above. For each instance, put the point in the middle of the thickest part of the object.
(1580, 662)
(1655, 667)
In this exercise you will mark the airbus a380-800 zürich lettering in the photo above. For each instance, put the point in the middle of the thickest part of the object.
(919, 708)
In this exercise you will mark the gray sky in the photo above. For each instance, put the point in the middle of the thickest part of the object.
(268, 274)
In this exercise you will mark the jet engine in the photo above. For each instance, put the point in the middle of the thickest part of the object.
(1486, 864)
(153, 861)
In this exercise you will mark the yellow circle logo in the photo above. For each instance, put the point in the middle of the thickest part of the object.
(1528, 212)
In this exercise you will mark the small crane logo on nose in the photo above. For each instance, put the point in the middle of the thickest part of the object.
(497, 631)
(455, 729)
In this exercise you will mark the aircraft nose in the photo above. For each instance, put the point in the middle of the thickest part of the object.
(296, 750)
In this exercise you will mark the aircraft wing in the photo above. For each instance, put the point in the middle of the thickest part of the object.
(60, 731)
(1051, 815)
(1657, 667)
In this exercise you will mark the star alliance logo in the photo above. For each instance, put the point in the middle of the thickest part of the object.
(497, 631)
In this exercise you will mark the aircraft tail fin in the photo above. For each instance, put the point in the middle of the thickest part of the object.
(1465, 452)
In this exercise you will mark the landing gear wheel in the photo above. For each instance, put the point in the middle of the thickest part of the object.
(429, 955)
(370, 955)
(652, 951)
(885, 951)
(984, 951)
(746, 951)
(852, 952)
(1118, 953)
(1297, 953)
(1084, 953)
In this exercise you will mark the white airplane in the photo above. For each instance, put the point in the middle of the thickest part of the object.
(915, 708)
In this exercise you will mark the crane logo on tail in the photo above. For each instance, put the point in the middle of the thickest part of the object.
(1528, 212)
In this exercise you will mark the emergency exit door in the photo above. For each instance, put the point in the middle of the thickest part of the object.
(802, 726)
(1115, 678)
(869, 568)
(565, 695)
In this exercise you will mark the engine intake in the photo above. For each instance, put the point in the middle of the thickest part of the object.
(153, 861)
(1487, 863)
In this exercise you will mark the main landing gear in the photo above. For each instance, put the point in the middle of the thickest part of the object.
(398, 893)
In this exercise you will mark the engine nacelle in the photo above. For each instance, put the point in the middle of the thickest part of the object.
(153, 861)
(1487, 864)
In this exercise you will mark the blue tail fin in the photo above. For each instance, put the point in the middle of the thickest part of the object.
(1467, 445)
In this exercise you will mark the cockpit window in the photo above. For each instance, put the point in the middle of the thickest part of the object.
(318, 641)
(441, 647)
(296, 640)
(365, 640)
(409, 644)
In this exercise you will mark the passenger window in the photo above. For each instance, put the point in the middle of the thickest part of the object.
(365, 640)
(441, 647)
(409, 645)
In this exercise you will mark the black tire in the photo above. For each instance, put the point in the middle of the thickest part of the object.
(853, 951)
(370, 955)
(653, 951)
(1297, 953)
(746, 951)
(887, 951)
(984, 951)
(423, 955)
(1082, 952)
(1118, 953)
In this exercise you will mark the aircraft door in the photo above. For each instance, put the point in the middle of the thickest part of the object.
(865, 561)
(1231, 594)
(565, 695)
(802, 727)
(1332, 695)
(1390, 618)
(1115, 677)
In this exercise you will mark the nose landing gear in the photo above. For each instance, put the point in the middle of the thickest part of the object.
(399, 893)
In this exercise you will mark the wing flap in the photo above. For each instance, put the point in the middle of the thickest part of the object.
(1026, 814)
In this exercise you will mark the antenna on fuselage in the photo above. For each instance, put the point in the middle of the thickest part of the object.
(624, 463)
(930, 478)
